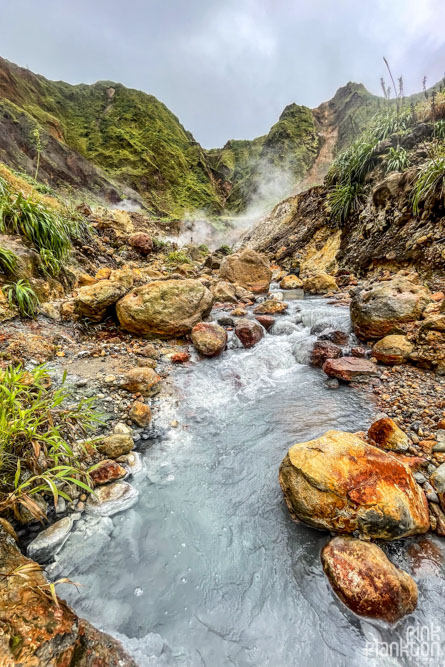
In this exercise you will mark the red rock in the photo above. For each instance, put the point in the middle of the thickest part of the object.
(366, 581)
(337, 337)
(209, 339)
(141, 242)
(437, 296)
(358, 352)
(180, 357)
(350, 368)
(249, 332)
(107, 471)
(265, 320)
(324, 350)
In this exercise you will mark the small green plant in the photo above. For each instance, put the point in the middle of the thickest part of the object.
(204, 249)
(36, 426)
(178, 257)
(49, 262)
(345, 200)
(439, 129)
(22, 295)
(225, 250)
(429, 182)
(397, 159)
(8, 261)
(35, 135)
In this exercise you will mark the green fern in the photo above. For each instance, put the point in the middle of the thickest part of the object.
(22, 295)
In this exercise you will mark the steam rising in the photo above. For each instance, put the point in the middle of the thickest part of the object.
(269, 185)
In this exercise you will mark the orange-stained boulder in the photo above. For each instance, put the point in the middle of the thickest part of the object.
(381, 309)
(386, 434)
(366, 581)
(271, 307)
(209, 339)
(35, 631)
(341, 483)
(248, 269)
(392, 350)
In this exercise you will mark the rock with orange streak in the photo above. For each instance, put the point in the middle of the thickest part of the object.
(339, 482)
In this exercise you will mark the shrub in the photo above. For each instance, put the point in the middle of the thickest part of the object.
(22, 295)
(36, 427)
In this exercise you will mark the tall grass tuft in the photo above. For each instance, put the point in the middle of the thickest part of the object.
(430, 181)
(36, 427)
(8, 261)
(49, 230)
(22, 295)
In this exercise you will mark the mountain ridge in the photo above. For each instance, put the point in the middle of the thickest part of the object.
(112, 143)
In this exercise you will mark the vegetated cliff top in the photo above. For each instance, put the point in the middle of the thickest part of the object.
(111, 143)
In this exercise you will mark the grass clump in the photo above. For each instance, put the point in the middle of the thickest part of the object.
(178, 257)
(36, 428)
(397, 159)
(430, 181)
(48, 228)
(22, 295)
(8, 261)
(349, 170)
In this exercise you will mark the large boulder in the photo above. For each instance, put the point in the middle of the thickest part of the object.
(350, 369)
(248, 269)
(320, 283)
(383, 307)
(164, 308)
(339, 482)
(392, 350)
(249, 332)
(93, 301)
(209, 339)
(366, 581)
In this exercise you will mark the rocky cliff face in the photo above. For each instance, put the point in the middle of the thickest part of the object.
(115, 143)
(383, 234)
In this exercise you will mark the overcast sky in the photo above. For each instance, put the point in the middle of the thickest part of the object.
(227, 68)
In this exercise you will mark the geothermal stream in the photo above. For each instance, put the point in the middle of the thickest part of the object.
(208, 568)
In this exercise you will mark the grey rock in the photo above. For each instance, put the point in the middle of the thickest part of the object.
(50, 541)
(111, 499)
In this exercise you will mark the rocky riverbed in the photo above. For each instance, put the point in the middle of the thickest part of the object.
(259, 367)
